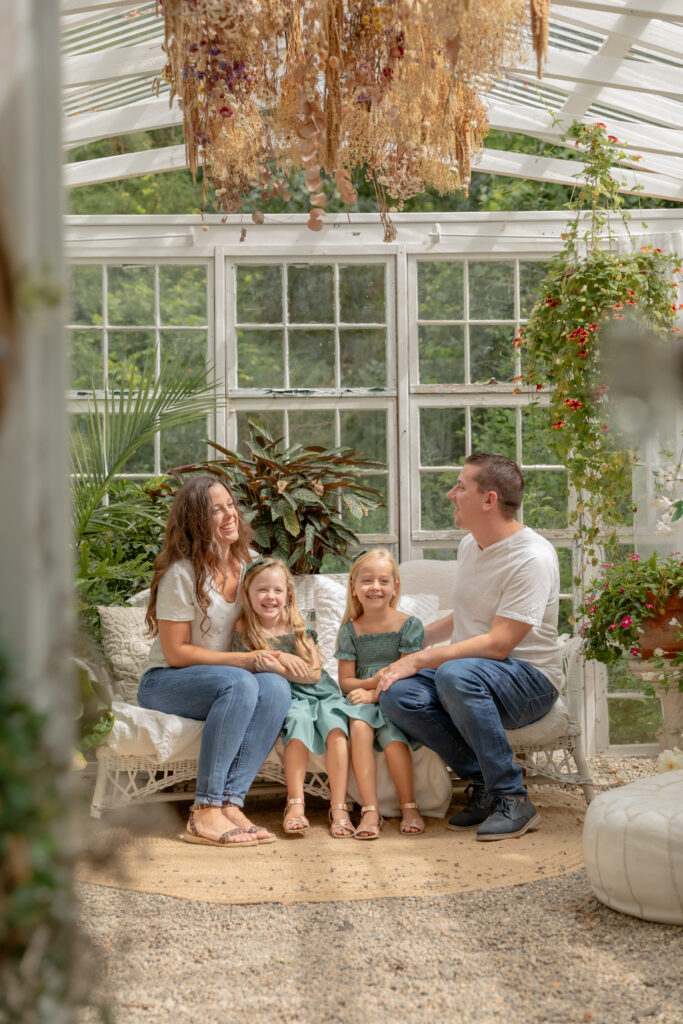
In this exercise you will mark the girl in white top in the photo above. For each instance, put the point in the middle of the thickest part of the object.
(193, 606)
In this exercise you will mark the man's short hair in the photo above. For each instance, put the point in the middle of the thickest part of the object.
(496, 473)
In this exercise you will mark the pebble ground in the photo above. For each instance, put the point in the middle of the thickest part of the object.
(541, 952)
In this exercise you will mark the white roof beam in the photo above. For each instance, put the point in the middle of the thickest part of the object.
(110, 65)
(563, 172)
(101, 8)
(136, 117)
(661, 111)
(127, 165)
(664, 10)
(600, 71)
(665, 39)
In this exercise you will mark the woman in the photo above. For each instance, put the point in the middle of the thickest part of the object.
(191, 671)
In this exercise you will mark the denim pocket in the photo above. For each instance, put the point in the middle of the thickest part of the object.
(535, 708)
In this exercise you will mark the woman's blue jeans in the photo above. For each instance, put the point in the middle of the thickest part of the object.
(242, 714)
(462, 709)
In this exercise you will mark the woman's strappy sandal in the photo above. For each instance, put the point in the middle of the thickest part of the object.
(342, 828)
(295, 824)
(366, 832)
(229, 838)
(411, 826)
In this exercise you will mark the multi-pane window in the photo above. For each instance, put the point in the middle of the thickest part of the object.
(126, 316)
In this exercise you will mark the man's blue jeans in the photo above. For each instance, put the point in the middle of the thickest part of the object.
(461, 711)
(242, 714)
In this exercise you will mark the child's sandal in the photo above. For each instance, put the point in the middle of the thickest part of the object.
(342, 828)
(295, 824)
(411, 826)
(366, 832)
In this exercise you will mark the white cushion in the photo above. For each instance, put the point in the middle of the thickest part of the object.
(633, 848)
(429, 576)
(126, 645)
(144, 733)
(545, 730)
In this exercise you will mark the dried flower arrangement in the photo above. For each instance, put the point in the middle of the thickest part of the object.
(390, 87)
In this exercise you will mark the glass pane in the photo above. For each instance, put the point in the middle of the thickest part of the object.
(564, 557)
(442, 354)
(365, 432)
(538, 441)
(492, 290)
(619, 678)
(564, 624)
(182, 295)
(260, 360)
(436, 511)
(189, 347)
(259, 295)
(439, 554)
(184, 444)
(130, 295)
(86, 295)
(129, 351)
(530, 277)
(85, 360)
(442, 437)
(310, 294)
(491, 354)
(634, 720)
(314, 426)
(311, 359)
(493, 430)
(363, 358)
(377, 521)
(440, 291)
(273, 422)
(143, 460)
(545, 500)
(361, 294)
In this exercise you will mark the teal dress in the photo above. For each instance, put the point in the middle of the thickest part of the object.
(372, 652)
(316, 708)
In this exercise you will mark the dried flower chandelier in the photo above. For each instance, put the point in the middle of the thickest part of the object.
(331, 87)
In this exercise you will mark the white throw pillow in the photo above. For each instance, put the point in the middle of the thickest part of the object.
(424, 607)
(126, 645)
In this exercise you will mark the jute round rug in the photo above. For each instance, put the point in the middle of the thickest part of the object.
(147, 855)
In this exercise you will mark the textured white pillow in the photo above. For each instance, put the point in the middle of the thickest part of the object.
(126, 645)
(424, 607)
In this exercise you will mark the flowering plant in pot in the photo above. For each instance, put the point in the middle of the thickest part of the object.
(635, 608)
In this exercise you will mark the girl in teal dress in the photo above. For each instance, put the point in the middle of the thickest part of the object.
(373, 634)
(317, 720)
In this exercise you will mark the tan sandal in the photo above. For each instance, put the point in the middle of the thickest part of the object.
(295, 824)
(416, 825)
(367, 832)
(229, 838)
(342, 828)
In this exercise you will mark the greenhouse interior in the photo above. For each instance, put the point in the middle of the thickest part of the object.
(323, 252)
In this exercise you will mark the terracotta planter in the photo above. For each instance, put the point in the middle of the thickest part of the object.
(657, 631)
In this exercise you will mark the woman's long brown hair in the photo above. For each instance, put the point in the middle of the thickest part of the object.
(189, 534)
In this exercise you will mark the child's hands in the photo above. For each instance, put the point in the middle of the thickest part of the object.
(295, 666)
(360, 696)
(265, 661)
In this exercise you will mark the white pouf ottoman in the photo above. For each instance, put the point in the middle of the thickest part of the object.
(633, 848)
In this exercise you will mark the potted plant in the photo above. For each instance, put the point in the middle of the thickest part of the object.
(593, 290)
(294, 495)
(635, 609)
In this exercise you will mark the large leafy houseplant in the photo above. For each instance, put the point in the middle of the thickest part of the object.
(293, 495)
(591, 290)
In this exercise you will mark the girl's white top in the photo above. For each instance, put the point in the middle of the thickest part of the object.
(176, 602)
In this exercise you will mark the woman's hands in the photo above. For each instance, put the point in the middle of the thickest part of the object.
(295, 666)
(361, 696)
(265, 661)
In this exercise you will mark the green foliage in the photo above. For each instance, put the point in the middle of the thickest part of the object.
(293, 496)
(582, 299)
(628, 593)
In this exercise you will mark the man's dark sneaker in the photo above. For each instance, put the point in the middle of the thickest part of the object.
(479, 807)
(511, 816)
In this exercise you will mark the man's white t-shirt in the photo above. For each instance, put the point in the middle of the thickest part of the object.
(517, 578)
(176, 601)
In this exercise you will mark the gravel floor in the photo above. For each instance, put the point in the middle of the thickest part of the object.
(546, 951)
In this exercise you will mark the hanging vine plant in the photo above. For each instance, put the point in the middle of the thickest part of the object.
(592, 291)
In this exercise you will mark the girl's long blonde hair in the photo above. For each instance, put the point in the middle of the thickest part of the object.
(255, 637)
(354, 609)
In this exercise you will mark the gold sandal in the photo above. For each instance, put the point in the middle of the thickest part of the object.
(342, 828)
(295, 824)
(367, 832)
(229, 838)
(416, 824)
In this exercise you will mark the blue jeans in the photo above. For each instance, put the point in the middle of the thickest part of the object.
(242, 714)
(461, 711)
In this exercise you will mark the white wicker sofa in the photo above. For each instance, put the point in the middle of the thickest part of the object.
(152, 756)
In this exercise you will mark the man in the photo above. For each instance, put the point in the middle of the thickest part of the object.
(502, 666)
